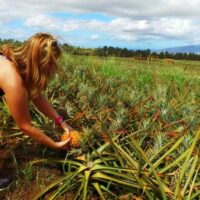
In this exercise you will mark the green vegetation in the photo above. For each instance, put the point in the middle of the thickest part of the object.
(10, 41)
(124, 52)
(117, 52)
(139, 121)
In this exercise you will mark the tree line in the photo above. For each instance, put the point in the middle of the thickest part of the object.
(124, 52)
(10, 41)
(116, 52)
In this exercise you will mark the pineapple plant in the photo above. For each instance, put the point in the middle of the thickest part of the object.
(150, 109)
(74, 138)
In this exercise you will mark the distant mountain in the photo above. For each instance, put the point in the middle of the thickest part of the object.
(183, 49)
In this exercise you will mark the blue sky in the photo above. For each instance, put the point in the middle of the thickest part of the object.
(143, 24)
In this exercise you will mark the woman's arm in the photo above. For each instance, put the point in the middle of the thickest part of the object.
(16, 98)
(46, 108)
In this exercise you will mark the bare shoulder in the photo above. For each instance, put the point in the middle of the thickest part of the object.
(10, 79)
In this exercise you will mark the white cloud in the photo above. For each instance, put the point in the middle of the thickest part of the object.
(171, 27)
(121, 28)
(46, 22)
(128, 25)
(124, 37)
(94, 37)
(41, 21)
(7, 33)
(129, 8)
(131, 20)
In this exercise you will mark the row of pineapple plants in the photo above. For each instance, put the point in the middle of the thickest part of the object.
(139, 131)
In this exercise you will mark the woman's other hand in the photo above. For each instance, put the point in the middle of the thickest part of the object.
(63, 145)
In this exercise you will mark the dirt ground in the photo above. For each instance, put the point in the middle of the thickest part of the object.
(28, 180)
(27, 186)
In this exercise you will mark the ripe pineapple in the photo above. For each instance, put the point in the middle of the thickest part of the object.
(74, 138)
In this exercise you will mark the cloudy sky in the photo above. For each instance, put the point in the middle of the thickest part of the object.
(133, 24)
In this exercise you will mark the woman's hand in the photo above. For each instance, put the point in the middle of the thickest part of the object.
(67, 128)
(63, 145)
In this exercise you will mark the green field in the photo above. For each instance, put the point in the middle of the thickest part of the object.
(139, 122)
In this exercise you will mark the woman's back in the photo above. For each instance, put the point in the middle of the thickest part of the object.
(2, 57)
(7, 73)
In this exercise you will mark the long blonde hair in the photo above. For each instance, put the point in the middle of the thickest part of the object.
(36, 60)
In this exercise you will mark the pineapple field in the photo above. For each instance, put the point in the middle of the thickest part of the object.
(139, 132)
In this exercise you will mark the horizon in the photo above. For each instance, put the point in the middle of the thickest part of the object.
(132, 49)
(133, 25)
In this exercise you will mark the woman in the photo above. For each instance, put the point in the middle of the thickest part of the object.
(24, 74)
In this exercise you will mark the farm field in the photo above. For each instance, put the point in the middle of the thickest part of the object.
(139, 121)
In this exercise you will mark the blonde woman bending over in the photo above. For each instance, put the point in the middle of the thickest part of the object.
(29, 68)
